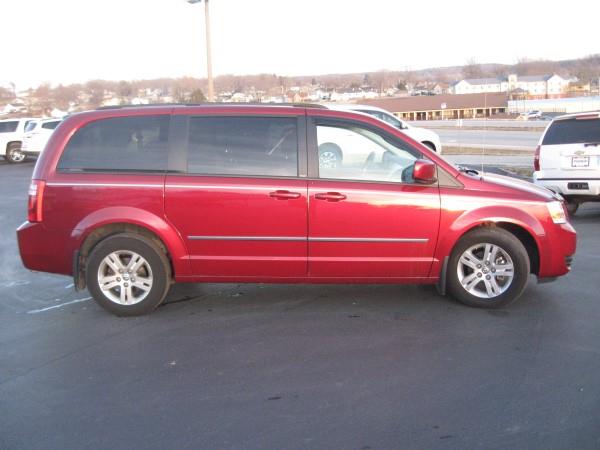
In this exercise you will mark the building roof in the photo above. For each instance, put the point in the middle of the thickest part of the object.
(434, 102)
(475, 81)
(532, 78)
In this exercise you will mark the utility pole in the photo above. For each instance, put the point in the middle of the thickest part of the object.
(211, 88)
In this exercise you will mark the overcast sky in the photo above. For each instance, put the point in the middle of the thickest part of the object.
(63, 41)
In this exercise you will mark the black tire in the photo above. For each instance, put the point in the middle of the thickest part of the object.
(429, 145)
(572, 207)
(13, 153)
(510, 244)
(155, 258)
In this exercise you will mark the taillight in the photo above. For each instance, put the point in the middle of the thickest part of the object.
(536, 159)
(35, 201)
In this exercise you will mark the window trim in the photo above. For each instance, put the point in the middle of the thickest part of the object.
(313, 152)
(179, 153)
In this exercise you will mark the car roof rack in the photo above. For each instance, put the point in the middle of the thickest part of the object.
(232, 104)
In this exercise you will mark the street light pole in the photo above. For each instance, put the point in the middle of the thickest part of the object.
(211, 88)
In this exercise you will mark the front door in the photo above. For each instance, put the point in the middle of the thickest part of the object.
(367, 218)
(241, 206)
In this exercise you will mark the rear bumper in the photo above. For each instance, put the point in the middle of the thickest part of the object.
(556, 254)
(570, 187)
(43, 250)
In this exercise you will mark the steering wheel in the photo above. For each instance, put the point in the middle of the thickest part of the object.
(369, 161)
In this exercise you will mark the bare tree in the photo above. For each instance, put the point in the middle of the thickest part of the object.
(472, 69)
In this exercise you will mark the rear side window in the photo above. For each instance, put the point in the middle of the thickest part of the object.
(573, 131)
(8, 127)
(119, 144)
(50, 125)
(250, 146)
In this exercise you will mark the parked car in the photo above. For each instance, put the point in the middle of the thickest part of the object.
(11, 137)
(131, 199)
(567, 159)
(422, 135)
(531, 115)
(37, 134)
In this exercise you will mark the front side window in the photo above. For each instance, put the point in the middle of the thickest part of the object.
(119, 144)
(351, 152)
(8, 127)
(243, 146)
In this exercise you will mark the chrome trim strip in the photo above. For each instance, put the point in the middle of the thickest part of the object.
(225, 187)
(298, 238)
(104, 185)
(341, 239)
(246, 238)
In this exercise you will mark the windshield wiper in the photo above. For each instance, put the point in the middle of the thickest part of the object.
(468, 170)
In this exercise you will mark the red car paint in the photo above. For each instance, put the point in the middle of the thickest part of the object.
(319, 218)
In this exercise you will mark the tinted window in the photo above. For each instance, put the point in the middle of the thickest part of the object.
(30, 125)
(352, 152)
(119, 144)
(260, 146)
(8, 127)
(572, 131)
(50, 125)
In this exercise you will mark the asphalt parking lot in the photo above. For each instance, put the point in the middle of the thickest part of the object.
(280, 366)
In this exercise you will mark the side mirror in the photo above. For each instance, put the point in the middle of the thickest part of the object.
(424, 172)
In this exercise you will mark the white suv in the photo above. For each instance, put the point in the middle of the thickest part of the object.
(37, 135)
(11, 137)
(567, 159)
(422, 135)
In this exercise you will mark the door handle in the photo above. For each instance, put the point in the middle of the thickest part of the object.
(330, 196)
(284, 195)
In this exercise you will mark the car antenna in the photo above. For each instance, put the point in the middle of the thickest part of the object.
(484, 129)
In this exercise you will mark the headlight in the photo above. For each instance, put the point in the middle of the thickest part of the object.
(557, 212)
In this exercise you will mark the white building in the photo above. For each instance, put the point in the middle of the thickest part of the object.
(535, 86)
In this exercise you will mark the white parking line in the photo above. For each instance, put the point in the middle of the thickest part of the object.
(79, 300)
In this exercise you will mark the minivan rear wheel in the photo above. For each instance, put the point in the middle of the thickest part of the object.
(128, 274)
(488, 268)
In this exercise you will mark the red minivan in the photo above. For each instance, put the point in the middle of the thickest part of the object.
(129, 200)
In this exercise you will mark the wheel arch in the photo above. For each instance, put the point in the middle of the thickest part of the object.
(524, 226)
(101, 224)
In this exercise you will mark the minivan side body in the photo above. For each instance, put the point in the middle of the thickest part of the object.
(228, 193)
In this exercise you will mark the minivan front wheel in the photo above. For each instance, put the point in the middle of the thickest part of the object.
(128, 274)
(488, 268)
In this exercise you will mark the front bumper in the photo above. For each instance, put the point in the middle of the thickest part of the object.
(557, 250)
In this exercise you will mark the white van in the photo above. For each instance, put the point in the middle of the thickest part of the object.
(567, 159)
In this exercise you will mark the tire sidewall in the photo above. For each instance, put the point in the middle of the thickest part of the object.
(150, 252)
(510, 244)
(11, 149)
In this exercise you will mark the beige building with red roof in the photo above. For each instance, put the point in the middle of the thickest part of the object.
(446, 106)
